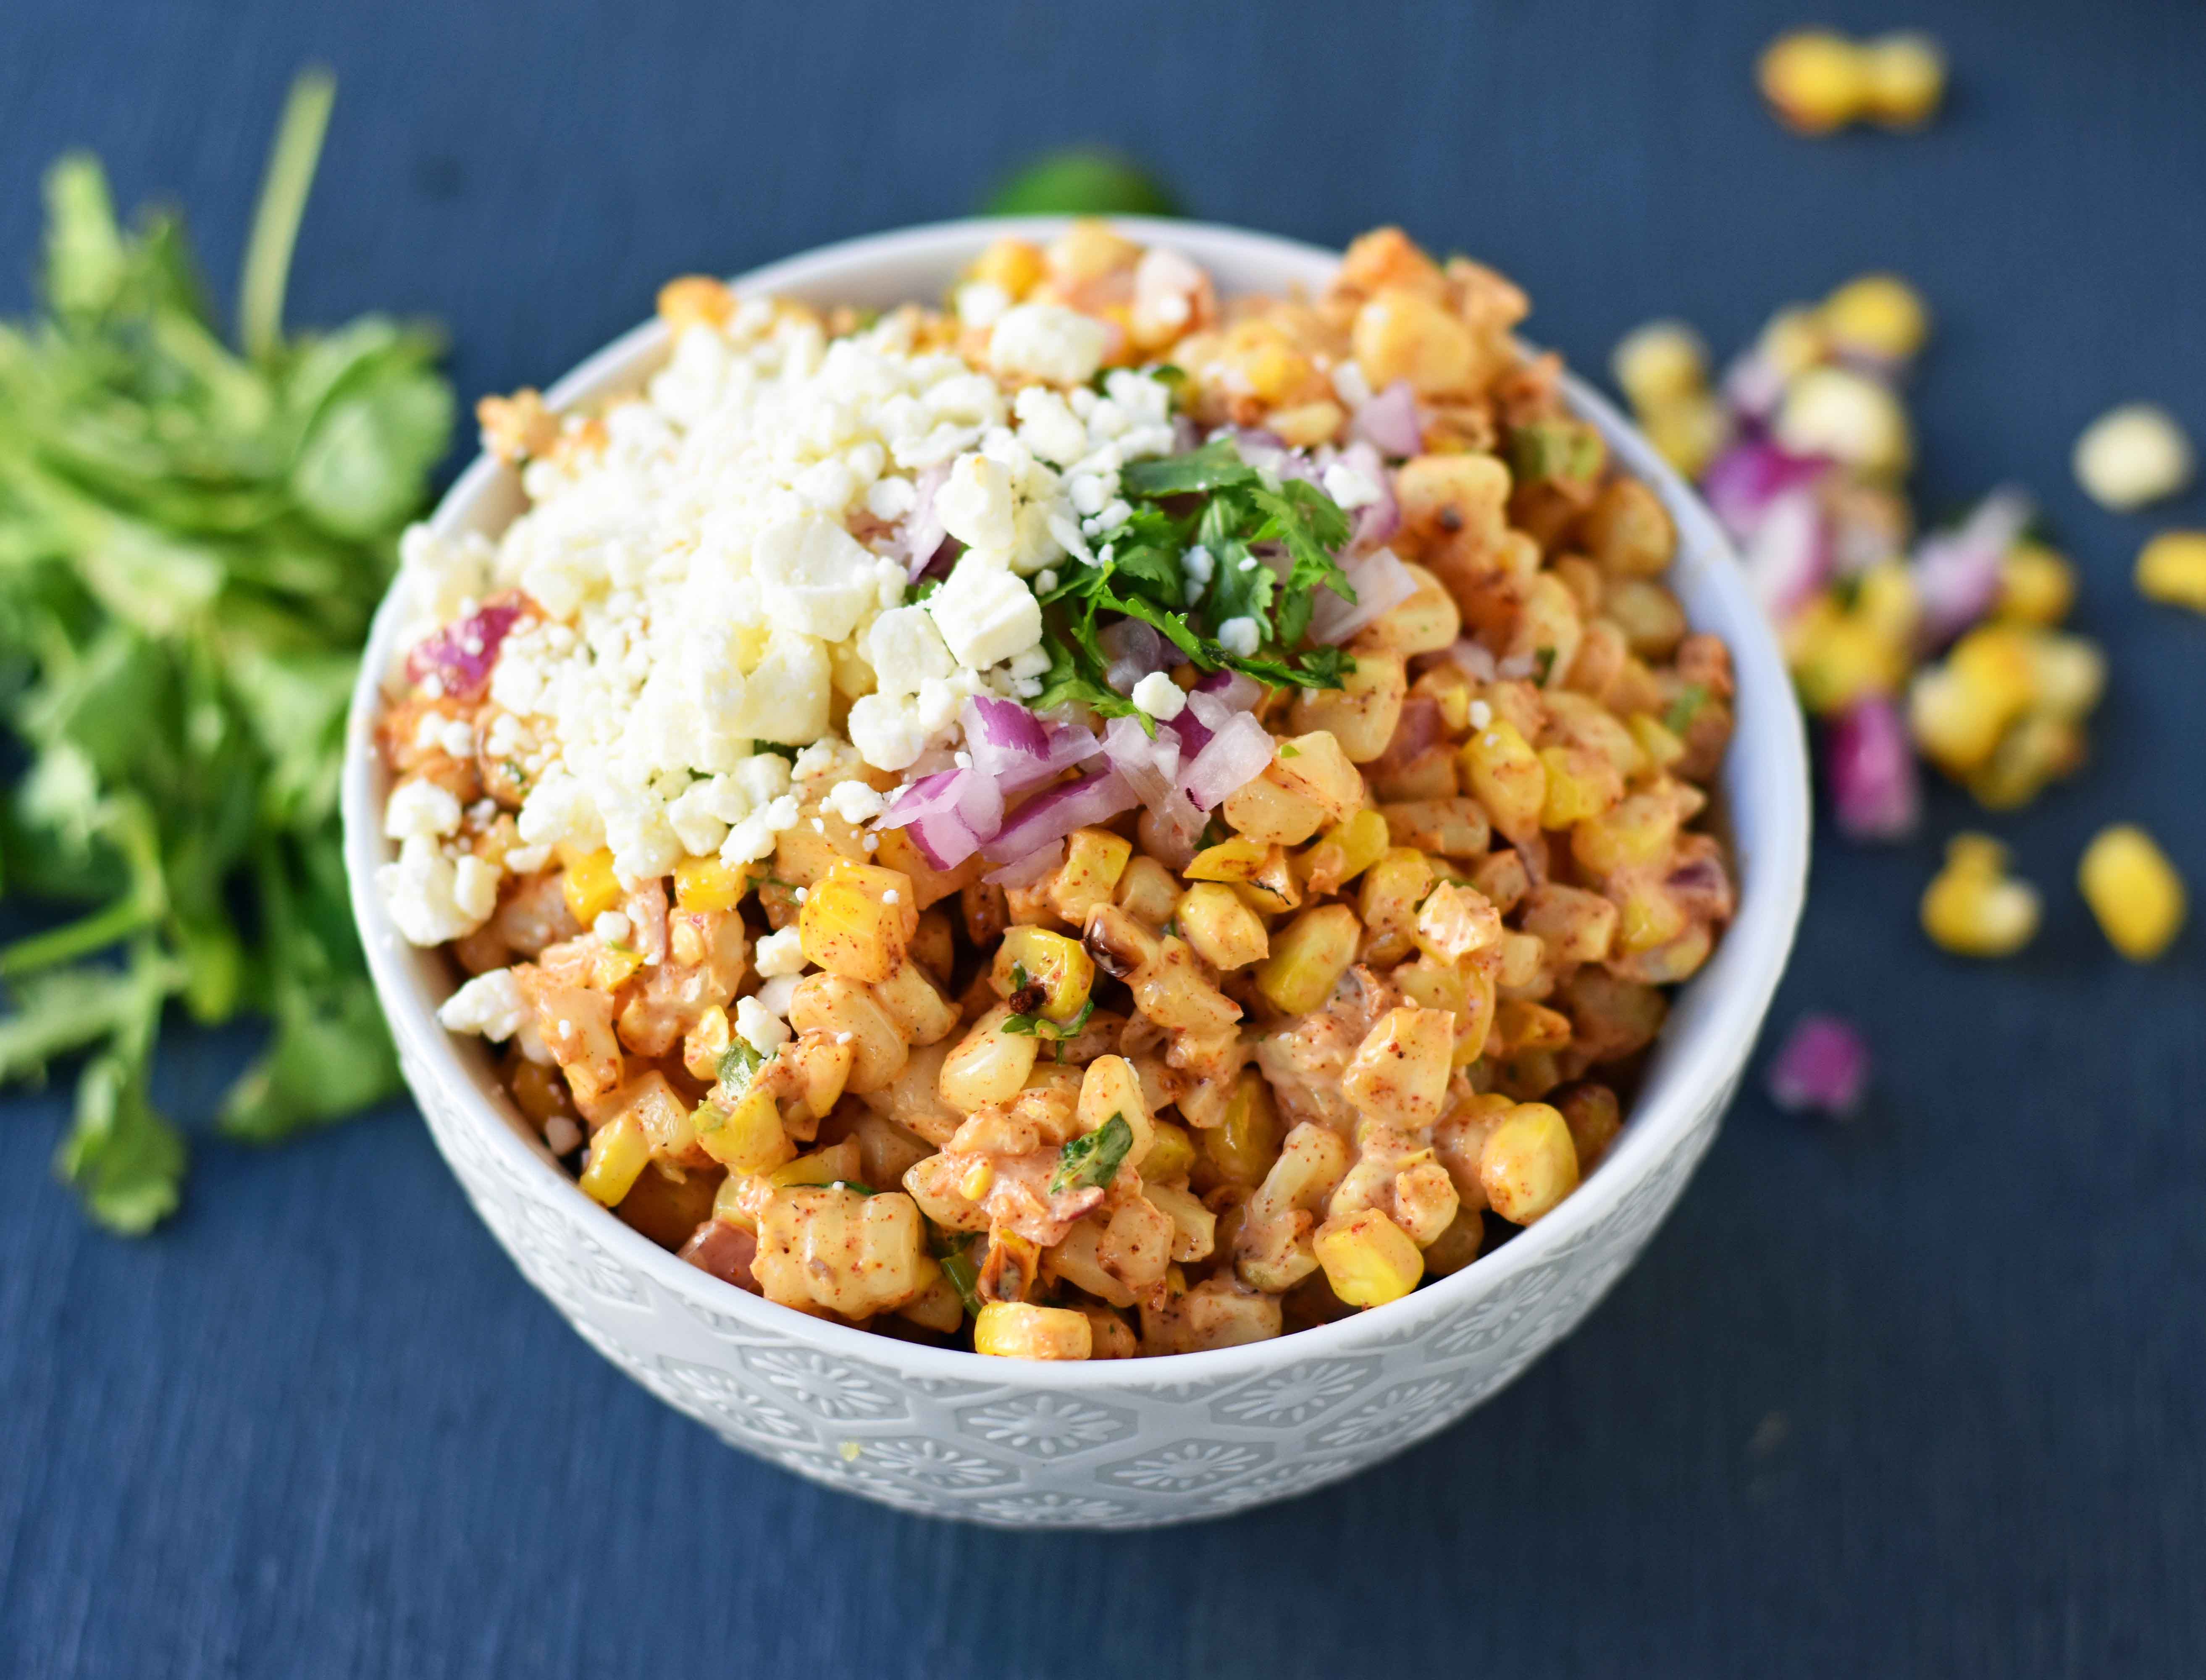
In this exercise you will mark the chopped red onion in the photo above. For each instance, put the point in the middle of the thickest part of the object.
(1134, 650)
(1149, 767)
(1042, 860)
(1056, 812)
(1823, 1065)
(1011, 747)
(1380, 581)
(950, 813)
(461, 655)
(1233, 758)
(1475, 658)
(1875, 793)
(1389, 422)
(1267, 452)
(1744, 483)
(923, 530)
(1788, 558)
(1956, 572)
(1239, 691)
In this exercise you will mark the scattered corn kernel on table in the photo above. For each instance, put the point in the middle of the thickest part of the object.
(1918, 1392)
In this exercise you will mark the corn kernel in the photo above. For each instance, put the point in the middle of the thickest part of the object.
(838, 1164)
(693, 300)
(2171, 568)
(1456, 920)
(1236, 858)
(750, 1138)
(1580, 785)
(618, 1154)
(2038, 587)
(1061, 967)
(1094, 859)
(1245, 1144)
(1171, 1152)
(1688, 431)
(1507, 776)
(590, 886)
(855, 922)
(978, 1180)
(1958, 711)
(1529, 1163)
(1815, 81)
(1342, 854)
(1848, 416)
(1659, 363)
(1012, 264)
(1019, 1330)
(2133, 891)
(1308, 958)
(1662, 747)
(1224, 931)
(2132, 455)
(708, 883)
(1972, 907)
(1878, 316)
(1903, 79)
(1368, 1260)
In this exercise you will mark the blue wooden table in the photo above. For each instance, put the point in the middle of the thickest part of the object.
(1926, 1394)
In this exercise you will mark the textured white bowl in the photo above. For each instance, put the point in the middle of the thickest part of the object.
(1120, 1444)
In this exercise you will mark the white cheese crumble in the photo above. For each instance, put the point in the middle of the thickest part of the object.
(779, 954)
(1159, 696)
(758, 1028)
(491, 1004)
(420, 807)
(1240, 637)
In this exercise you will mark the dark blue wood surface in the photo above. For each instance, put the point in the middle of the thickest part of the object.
(1920, 1396)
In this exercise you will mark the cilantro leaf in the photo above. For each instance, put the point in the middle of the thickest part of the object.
(1040, 1025)
(1081, 180)
(1094, 1158)
(1216, 466)
(1686, 708)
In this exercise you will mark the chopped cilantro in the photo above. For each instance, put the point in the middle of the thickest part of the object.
(1093, 1158)
(1559, 452)
(1543, 666)
(739, 1062)
(778, 749)
(1289, 750)
(1040, 1025)
(921, 590)
(1271, 549)
(1683, 709)
(965, 1277)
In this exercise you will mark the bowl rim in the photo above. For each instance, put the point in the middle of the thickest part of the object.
(1749, 963)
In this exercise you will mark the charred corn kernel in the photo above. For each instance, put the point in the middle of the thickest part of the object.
(1854, 420)
(1020, 1330)
(1878, 316)
(1308, 958)
(989, 1065)
(541, 1092)
(2133, 891)
(1663, 361)
(1973, 906)
(1507, 776)
(1455, 920)
(2171, 568)
(1903, 79)
(1171, 1152)
(2132, 455)
(1243, 1145)
(1063, 970)
(1342, 854)
(1688, 431)
(1662, 747)
(590, 885)
(1237, 858)
(748, 1138)
(978, 1180)
(2037, 586)
(695, 300)
(1224, 931)
(708, 883)
(1094, 859)
(618, 1154)
(1012, 264)
(1581, 783)
(1815, 80)
(1368, 1260)
(1529, 1163)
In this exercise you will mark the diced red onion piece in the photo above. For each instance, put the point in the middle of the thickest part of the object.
(461, 656)
(1171, 830)
(1134, 650)
(1823, 1065)
(1380, 581)
(1744, 483)
(1788, 558)
(1239, 690)
(1056, 812)
(1956, 572)
(1389, 422)
(1004, 726)
(1875, 792)
(923, 530)
(1012, 747)
(1026, 871)
(1150, 767)
(950, 813)
(1234, 757)
(1475, 658)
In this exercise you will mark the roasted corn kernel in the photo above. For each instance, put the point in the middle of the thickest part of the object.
(2133, 891)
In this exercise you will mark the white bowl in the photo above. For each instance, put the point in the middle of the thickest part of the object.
(1119, 1444)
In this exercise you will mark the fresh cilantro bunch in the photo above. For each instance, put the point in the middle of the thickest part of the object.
(192, 539)
(1212, 498)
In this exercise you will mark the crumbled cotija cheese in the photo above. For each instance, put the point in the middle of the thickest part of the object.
(731, 557)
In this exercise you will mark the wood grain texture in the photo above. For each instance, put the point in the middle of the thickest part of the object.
(1918, 1397)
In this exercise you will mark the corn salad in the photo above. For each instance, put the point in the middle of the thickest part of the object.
(1154, 1090)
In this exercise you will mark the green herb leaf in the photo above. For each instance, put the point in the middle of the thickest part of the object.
(1040, 1025)
(1683, 709)
(1093, 1158)
(739, 1063)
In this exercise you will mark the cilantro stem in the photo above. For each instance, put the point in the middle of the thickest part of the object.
(80, 937)
(284, 190)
